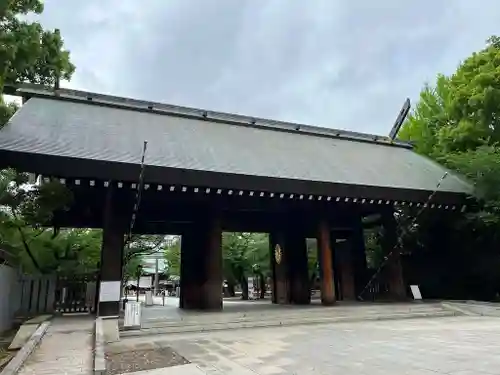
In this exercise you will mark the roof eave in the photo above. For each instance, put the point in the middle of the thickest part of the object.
(66, 167)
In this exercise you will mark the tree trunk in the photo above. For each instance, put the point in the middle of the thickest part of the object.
(312, 280)
(262, 282)
(230, 289)
(244, 288)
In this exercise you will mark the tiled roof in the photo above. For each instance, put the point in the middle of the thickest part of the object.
(113, 129)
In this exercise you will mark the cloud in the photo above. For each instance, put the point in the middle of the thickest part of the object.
(333, 63)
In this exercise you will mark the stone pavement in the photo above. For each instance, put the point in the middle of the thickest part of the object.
(245, 314)
(190, 369)
(66, 348)
(450, 345)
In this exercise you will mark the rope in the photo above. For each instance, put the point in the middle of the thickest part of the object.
(403, 232)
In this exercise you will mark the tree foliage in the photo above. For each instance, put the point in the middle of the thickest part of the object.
(28, 53)
(457, 122)
(173, 258)
(25, 210)
(7, 110)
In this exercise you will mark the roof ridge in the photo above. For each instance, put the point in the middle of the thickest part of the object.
(28, 90)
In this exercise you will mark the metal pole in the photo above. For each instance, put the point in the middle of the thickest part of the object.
(137, 292)
(157, 282)
(137, 204)
(138, 194)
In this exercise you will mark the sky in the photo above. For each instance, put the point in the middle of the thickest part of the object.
(333, 63)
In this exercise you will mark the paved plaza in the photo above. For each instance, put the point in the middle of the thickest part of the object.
(447, 345)
(66, 349)
(453, 345)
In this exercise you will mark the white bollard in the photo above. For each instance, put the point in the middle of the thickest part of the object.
(132, 315)
(149, 298)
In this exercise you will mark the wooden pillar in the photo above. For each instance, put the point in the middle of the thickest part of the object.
(288, 251)
(296, 250)
(111, 256)
(281, 285)
(394, 270)
(325, 256)
(190, 270)
(358, 256)
(343, 255)
(201, 265)
(212, 272)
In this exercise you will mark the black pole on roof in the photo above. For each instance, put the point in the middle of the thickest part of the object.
(403, 113)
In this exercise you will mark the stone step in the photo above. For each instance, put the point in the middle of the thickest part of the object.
(180, 327)
(474, 308)
(327, 312)
(280, 317)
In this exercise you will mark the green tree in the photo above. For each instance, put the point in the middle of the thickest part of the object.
(373, 247)
(71, 252)
(130, 269)
(431, 113)
(28, 53)
(482, 165)
(6, 111)
(457, 122)
(312, 259)
(136, 248)
(461, 112)
(27, 209)
(173, 258)
(236, 260)
(245, 255)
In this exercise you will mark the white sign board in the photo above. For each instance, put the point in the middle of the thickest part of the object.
(109, 291)
(132, 314)
(145, 282)
(415, 290)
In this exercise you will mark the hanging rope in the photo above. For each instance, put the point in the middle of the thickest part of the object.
(399, 243)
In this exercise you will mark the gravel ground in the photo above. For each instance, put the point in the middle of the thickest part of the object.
(140, 360)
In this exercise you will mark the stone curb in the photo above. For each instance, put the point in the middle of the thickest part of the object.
(22, 355)
(476, 308)
(454, 307)
(99, 345)
(277, 323)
